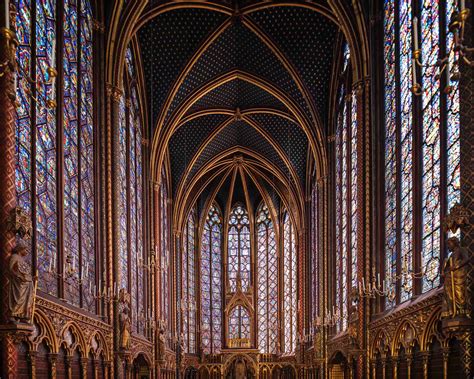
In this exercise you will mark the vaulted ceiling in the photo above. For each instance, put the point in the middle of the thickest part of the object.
(251, 82)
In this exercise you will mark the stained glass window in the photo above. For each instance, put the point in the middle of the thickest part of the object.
(239, 323)
(189, 285)
(453, 146)
(211, 282)
(346, 194)
(289, 285)
(132, 256)
(391, 138)
(267, 282)
(406, 142)
(165, 255)
(239, 249)
(439, 124)
(314, 253)
(43, 123)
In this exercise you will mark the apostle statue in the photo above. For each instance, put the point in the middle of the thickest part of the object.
(455, 272)
(124, 319)
(21, 285)
(161, 341)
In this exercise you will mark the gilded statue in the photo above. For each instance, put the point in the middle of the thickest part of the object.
(455, 272)
(21, 285)
(124, 319)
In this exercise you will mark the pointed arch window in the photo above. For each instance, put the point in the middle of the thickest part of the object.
(238, 266)
(267, 282)
(315, 249)
(345, 262)
(55, 143)
(131, 255)
(417, 129)
(211, 282)
(289, 285)
(165, 298)
(189, 284)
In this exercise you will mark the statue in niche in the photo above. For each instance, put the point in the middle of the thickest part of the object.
(455, 273)
(124, 319)
(21, 285)
(161, 341)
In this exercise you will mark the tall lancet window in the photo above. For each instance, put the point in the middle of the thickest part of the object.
(289, 285)
(165, 296)
(345, 262)
(267, 282)
(54, 143)
(211, 282)
(131, 254)
(188, 302)
(238, 266)
(420, 165)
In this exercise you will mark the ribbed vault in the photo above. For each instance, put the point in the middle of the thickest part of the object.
(238, 89)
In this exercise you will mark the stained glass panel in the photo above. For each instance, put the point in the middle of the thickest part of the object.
(431, 144)
(42, 134)
(87, 156)
(46, 135)
(267, 282)
(189, 286)
(390, 147)
(239, 249)
(453, 122)
(239, 323)
(211, 282)
(289, 285)
(406, 144)
(71, 157)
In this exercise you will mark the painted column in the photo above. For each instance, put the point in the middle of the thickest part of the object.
(114, 95)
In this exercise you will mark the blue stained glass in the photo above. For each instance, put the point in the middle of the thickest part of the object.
(23, 111)
(315, 248)
(123, 218)
(189, 285)
(77, 129)
(289, 286)
(267, 282)
(353, 161)
(239, 248)
(431, 144)
(87, 157)
(165, 255)
(345, 253)
(46, 175)
(406, 143)
(71, 156)
(211, 282)
(453, 122)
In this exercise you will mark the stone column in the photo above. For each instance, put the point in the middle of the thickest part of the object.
(32, 360)
(425, 356)
(466, 94)
(52, 358)
(84, 362)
